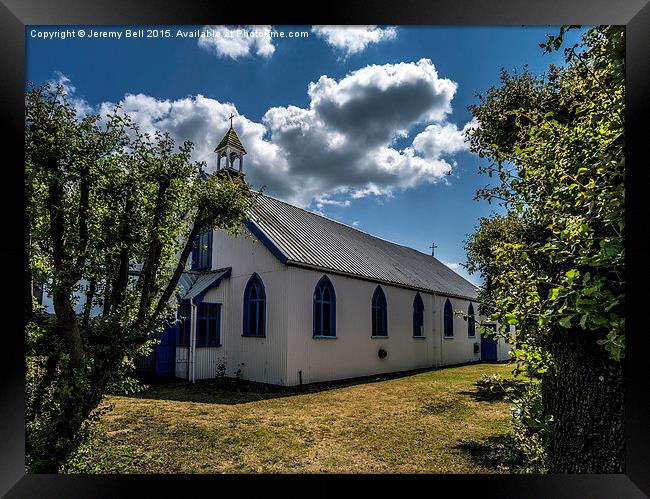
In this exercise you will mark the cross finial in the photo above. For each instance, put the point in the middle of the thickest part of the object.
(433, 248)
(230, 118)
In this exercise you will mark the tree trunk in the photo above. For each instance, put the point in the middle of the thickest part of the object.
(180, 267)
(585, 397)
(67, 321)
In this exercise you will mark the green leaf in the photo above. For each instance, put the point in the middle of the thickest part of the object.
(583, 321)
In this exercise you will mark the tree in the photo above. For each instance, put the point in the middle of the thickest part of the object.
(554, 263)
(112, 216)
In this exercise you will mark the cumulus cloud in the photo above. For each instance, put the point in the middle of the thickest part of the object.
(442, 139)
(353, 39)
(237, 41)
(81, 107)
(459, 269)
(343, 145)
(453, 266)
(205, 121)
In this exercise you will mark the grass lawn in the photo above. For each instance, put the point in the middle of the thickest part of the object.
(430, 422)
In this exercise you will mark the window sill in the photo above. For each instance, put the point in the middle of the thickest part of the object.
(378, 337)
(448, 337)
(419, 337)
(253, 336)
(321, 337)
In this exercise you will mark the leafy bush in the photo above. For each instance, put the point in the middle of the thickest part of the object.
(530, 425)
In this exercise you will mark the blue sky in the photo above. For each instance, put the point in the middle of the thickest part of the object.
(363, 125)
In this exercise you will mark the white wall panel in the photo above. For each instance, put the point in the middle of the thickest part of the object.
(207, 359)
(256, 359)
(289, 347)
(181, 362)
(459, 348)
(353, 352)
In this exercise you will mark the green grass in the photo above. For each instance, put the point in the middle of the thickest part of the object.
(430, 422)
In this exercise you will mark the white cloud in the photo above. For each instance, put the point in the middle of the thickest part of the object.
(343, 143)
(441, 139)
(325, 200)
(237, 41)
(342, 146)
(205, 121)
(353, 39)
(81, 107)
(453, 266)
(459, 269)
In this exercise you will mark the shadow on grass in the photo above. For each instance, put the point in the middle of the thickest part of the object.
(237, 391)
(496, 452)
(486, 392)
(211, 391)
(441, 406)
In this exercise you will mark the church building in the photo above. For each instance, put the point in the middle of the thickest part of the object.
(299, 298)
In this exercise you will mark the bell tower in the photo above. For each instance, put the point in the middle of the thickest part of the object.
(230, 153)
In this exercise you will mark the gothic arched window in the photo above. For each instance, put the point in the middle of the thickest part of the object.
(448, 319)
(471, 325)
(379, 313)
(418, 316)
(254, 307)
(324, 308)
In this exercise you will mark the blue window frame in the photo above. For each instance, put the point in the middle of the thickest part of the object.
(324, 309)
(254, 307)
(208, 325)
(202, 251)
(418, 316)
(379, 313)
(184, 324)
(471, 325)
(448, 320)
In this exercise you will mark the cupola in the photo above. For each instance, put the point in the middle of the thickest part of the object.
(230, 152)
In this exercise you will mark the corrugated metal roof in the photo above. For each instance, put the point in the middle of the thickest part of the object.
(193, 284)
(306, 239)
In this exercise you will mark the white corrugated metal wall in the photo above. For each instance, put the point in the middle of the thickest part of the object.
(289, 347)
(208, 358)
(459, 348)
(182, 356)
(354, 351)
(255, 359)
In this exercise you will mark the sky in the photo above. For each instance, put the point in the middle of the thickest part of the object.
(364, 125)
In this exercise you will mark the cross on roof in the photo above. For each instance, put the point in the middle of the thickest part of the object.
(230, 118)
(433, 248)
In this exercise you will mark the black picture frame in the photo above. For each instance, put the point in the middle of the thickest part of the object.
(15, 15)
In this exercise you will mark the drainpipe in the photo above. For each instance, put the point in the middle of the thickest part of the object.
(439, 336)
(193, 341)
(189, 347)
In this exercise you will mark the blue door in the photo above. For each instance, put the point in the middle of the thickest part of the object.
(489, 345)
(166, 352)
